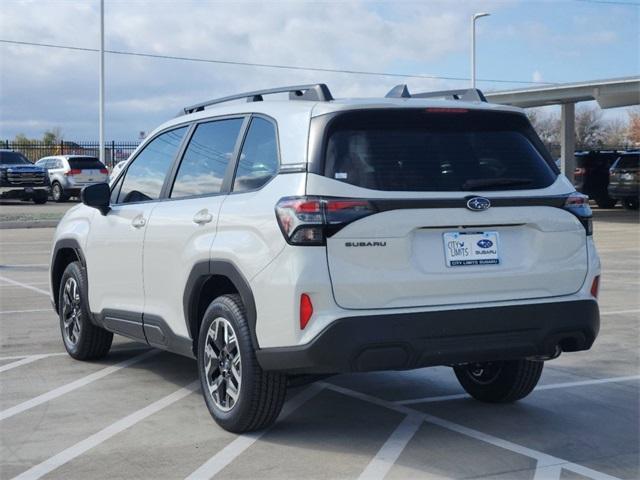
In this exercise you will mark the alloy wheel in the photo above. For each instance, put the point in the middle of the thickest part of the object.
(484, 372)
(71, 311)
(222, 364)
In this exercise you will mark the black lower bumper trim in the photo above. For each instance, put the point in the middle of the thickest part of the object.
(413, 340)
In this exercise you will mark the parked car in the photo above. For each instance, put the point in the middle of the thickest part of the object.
(20, 179)
(68, 174)
(591, 175)
(624, 183)
(317, 236)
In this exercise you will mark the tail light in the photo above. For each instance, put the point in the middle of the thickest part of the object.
(311, 220)
(578, 204)
(595, 286)
(306, 310)
(74, 171)
(579, 171)
(104, 171)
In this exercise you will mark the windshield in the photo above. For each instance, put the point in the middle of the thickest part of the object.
(13, 158)
(436, 150)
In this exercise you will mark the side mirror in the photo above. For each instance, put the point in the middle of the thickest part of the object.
(97, 196)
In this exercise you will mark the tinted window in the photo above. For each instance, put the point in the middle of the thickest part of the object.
(423, 150)
(629, 161)
(259, 156)
(205, 161)
(13, 158)
(85, 163)
(145, 176)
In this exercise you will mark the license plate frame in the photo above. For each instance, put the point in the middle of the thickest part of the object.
(462, 249)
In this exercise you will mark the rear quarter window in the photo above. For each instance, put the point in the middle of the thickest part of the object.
(433, 150)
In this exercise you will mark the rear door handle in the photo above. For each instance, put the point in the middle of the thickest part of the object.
(202, 217)
(138, 222)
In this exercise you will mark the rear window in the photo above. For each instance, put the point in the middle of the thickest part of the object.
(436, 150)
(86, 163)
(629, 161)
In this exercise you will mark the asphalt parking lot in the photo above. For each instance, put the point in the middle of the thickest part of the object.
(139, 414)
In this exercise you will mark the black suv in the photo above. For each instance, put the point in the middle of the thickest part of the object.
(591, 175)
(624, 180)
(20, 179)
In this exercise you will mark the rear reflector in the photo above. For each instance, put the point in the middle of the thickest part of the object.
(595, 286)
(306, 310)
(104, 171)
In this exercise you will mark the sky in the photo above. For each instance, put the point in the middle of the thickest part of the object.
(535, 41)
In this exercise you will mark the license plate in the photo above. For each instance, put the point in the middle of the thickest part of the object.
(477, 248)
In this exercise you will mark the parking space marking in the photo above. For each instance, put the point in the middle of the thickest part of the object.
(105, 434)
(551, 386)
(392, 448)
(25, 265)
(19, 363)
(552, 472)
(229, 453)
(543, 459)
(32, 284)
(69, 387)
(41, 355)
(8, 312)
(619, 312)
(24, 285)
(37, 252)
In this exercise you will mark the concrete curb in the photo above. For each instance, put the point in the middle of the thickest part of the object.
(29, 224)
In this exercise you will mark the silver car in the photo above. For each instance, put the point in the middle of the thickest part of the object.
(70, 173)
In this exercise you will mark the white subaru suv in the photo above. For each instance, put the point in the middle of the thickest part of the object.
(312, 235)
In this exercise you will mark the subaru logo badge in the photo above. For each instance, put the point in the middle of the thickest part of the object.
(478, 204)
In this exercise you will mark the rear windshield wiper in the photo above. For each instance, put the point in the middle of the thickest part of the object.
(489, 183)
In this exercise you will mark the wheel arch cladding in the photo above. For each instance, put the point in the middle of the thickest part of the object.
(209, 280)
(66, 251)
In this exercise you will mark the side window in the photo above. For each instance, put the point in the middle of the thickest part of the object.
(145, 176)
(206, 159)
(259, 157)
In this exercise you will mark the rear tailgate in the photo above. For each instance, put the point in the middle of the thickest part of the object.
(88, 170)
(397, 258)
(415, 250)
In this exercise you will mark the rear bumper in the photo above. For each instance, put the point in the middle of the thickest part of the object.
(414, 340)
(22, 191)
(624, 191)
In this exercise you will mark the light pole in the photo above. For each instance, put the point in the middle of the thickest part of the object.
(473, 46)
(101, 95)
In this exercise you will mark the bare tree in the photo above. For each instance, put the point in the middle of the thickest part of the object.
(589, 128)
(547, 125)
(615, 133)
(633, 133)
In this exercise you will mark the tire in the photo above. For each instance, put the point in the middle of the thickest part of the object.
(606, 202)
(58, 194)
(631, 203)
(82, 339)
(499, 382)
(40, 198)
(259, 394)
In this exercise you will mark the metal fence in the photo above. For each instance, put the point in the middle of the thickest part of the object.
(114, 152)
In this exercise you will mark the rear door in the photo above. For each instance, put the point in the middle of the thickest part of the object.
(182, 228)
(436, 240)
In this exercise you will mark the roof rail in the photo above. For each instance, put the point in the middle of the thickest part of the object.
(466, 94)
(318, 92)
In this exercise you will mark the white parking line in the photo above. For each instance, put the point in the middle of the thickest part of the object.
(32, 284)
(24, 265)
(392, 448)
(69, 387)
(619, 312)
(19, 363)
(28, 252)
(229, 453)
(105, 434)
(551, 472)
(24, 285)
(41, 355)
(543, 459)
(550, 386)
(9, 312)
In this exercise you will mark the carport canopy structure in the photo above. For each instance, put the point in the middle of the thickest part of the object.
(615, 92)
